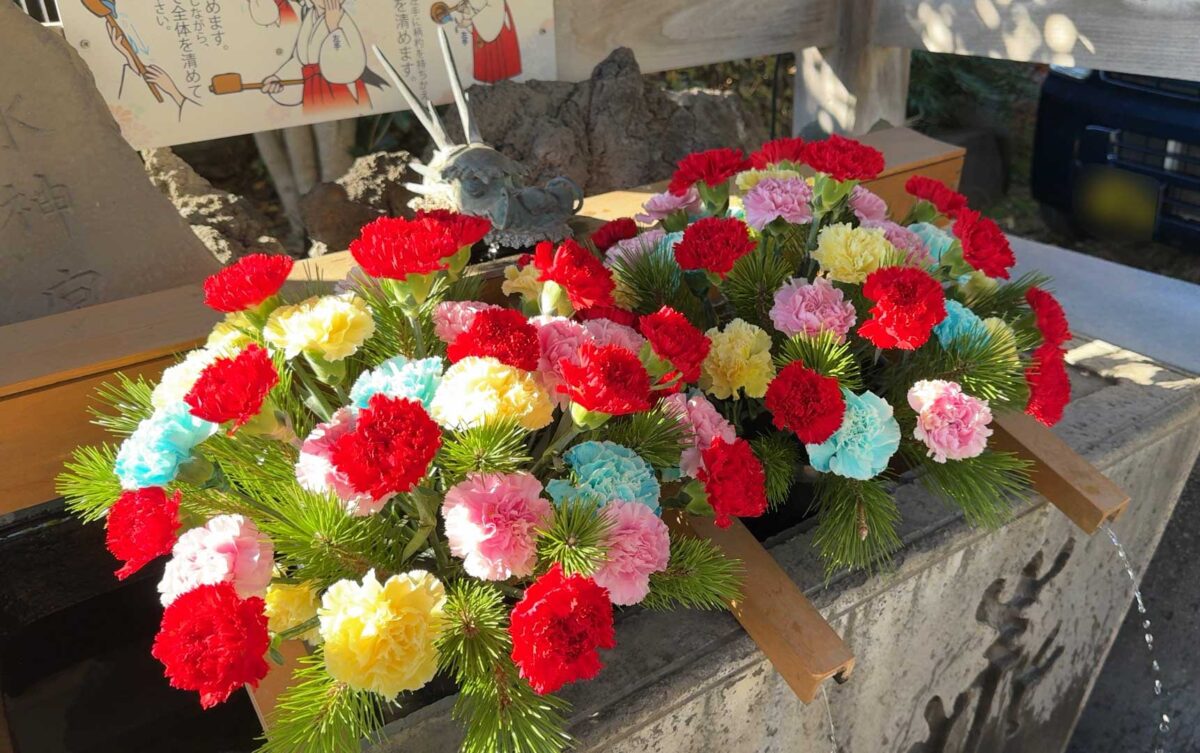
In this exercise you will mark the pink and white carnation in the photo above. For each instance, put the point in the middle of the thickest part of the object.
(778, 198)
(633, 248)
(559, 339)
(662, 205)
(951, 423)
(316, 472)
(702, 423)
(607, 332)
(228, 548)
(638, 546)
(867, 207)
(804, 308)
(452, 318)
(492, 521)
(915, 252)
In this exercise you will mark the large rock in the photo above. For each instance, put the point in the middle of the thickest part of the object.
(228, 224)
(616, 130)
(333, 213)
(79, 222)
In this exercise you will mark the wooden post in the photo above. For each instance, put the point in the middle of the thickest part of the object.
(1060, 474)
(775, 613)
(852, 85)
(265, 697)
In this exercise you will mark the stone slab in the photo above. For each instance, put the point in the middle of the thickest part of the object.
(80, 222)
(979, 641)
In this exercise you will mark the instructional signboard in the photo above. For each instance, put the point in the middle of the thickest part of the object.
(175, 71)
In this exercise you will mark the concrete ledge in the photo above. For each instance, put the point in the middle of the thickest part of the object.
(987, 638)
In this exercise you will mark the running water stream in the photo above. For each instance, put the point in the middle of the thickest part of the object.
(1163, 721)
(833, 744)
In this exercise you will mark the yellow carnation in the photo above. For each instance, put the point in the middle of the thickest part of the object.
(623, 295)
(522, 281)
(477, 390)
(380, 637)
(229, 336)
(290, 605)
(849, 254)
(976, 284)
(331, 326)
(740, 359)
(749, 179)
(1000, 332)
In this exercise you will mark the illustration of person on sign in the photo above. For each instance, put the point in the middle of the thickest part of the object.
(272, 12)
(494, 42)
(328, 65)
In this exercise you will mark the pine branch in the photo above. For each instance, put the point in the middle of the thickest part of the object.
(576, 538)
(750, 286)
(656, 435)
(987, 367)
(127, 402)
(780, 458)
(698, 576)
(856, 524)
(476, 636)
(983, 487)
(495, 447)
(1005, 301)
(824, 355)
(319, 713)
(655, 280)
(88, 483)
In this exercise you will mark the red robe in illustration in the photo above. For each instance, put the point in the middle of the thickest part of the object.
(287, 15)
(331, 63)
(498, 58)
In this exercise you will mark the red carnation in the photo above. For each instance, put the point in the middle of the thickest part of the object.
(675, 340)
(806, 403)
(908, 304)
(247, 282)
(606, 379)
(392, 444)
(503, 334)
(787, 149)
(213, 642)
(611, 313)
(612, 231)
(141, 527)
(395, 248)
(557, 628)
(585, 279)
(466, 229)
(843, 159)
(714, 244)
(233, 389)
(944, 199)
(712, 167)
(985, 246)
(1050, 317)
(733, 478)
(1049, 384)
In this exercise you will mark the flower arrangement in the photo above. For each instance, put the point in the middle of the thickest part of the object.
(418, 482)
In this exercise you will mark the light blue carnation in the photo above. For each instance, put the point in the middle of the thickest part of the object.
(938, 241)
(960, 323)
(152, 454)
(865, 442)
(667, 243)
(399, 377)
(605, 471)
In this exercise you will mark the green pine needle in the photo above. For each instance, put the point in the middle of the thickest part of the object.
(127, 401)
(1005, 301)
(506, 716)
(319, 713)
(654, 280)
(656, 435)
(856, 523)
(88, 483)
(698, 576)
(576, 538)
(780, 458)
(750, 286)
(495, 447)
(983, 487)
(476, 636)
(824, 355)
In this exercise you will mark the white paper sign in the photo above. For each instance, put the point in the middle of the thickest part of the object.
(175, 71)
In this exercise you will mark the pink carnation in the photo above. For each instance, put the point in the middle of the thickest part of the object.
(702, 423)
(867, 207)
(559, 339)
(915, 252)
(633, 248)
(804, 308)
(663, 205)
(608, 332)
(778, 198)
(316, 472)
(228, 548)
(452, 318)
(492, 521)
(952, 424)
(638, 545)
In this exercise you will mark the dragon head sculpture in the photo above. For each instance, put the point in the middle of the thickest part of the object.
(476, 179)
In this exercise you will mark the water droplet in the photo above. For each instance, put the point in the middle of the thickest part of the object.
(1145, 624)
(1164, 728)
(1154, 665)
(1166, 719)
(1158, 687)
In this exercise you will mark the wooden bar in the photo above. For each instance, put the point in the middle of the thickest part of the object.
(265, 697)
(1060, 474)
(775, 613)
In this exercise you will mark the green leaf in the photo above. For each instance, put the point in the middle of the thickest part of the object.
(698, 576)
